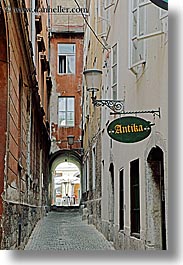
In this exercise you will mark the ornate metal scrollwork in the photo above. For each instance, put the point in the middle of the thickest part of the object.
(114, 105)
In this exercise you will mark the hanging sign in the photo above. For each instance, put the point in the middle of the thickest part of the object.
(161, 3)
(129, 129)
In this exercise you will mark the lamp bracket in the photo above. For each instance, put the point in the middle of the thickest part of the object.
(114, 105)
(153, 112)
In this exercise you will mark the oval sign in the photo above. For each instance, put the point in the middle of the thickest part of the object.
(161, 3)
(129, 129)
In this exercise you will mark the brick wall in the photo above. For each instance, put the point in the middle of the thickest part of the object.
(67, 85)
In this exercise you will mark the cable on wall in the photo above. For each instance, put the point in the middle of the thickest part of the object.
(90, 26)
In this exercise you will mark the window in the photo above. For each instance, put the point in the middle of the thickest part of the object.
(109, 3)
(137, 45)
(121, 180)
(105, 16)
(135, 198)
(145, 22)
(94, 166)
(20, 118)
(66, 58)
(114, 71)
(66, 111)
(88, 174)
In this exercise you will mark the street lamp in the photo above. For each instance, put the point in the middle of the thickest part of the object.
(70, 139)
(93, 78)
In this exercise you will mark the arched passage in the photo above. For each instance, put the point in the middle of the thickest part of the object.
(156, 223)
(65, 178)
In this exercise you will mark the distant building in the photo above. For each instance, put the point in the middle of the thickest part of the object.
(66, 32)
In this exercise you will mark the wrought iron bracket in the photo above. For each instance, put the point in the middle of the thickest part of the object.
(114, 105)
(153, 112)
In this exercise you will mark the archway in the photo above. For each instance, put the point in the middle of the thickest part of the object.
(156, 223)
(65, 179)
(111, 201)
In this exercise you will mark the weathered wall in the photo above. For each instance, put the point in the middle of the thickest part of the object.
(25, 149)
(92, 191)
(66, 85)
(68, 17)
(3, 104)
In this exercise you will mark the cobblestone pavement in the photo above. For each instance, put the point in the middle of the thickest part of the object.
(66, 231)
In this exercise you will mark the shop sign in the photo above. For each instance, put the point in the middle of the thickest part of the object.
(129, 129)
(161, 3)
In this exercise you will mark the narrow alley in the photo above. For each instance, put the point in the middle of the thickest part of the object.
(84, 125)
(66, 231)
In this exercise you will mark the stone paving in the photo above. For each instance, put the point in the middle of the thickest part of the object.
(66, 231)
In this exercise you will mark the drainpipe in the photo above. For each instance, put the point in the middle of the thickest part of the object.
(29, 138)
(33, 29)
(49, 30)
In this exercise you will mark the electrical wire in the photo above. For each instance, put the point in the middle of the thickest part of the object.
(90, 26)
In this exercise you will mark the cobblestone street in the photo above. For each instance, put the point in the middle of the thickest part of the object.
(66, 231)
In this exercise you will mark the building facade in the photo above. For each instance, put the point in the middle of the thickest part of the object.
(66, 32)
(91, 184)
(25, 142)
(133, 176)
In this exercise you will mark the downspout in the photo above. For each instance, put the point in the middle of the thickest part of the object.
(33, 28)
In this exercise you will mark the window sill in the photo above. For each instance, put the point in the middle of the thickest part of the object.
(66, 127)
(66, 74)
(136, 235)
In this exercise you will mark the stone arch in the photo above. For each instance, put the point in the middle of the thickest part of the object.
(60, 157)
(155, 199)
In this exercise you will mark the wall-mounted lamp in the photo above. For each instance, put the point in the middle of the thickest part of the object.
(93, 78)
(70, 139)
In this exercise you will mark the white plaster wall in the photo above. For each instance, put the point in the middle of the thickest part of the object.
(147, 93)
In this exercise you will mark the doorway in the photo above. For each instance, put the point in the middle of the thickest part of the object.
(111, 202)
(156, 216)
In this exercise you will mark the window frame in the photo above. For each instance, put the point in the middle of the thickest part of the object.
(66, 55)
(134, 204)
(113, 65)
(66, 112)
(138, 37)
(121, 200)
(94, 167)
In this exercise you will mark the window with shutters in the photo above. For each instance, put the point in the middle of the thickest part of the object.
(114, 71)
(145, 22)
